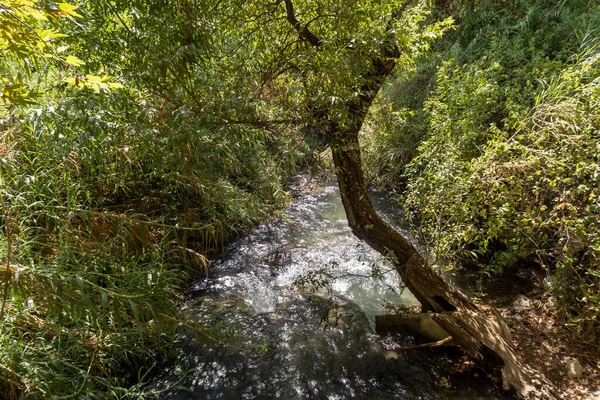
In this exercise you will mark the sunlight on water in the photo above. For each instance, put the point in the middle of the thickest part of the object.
(280, 339)
(312, 234)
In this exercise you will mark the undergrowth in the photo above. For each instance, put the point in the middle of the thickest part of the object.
(108, 209)
(493, 139)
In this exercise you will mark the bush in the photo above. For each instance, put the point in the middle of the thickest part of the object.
(506, 170)
(108, 207)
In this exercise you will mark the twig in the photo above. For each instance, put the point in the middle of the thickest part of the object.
(8, 257)
(433, 344)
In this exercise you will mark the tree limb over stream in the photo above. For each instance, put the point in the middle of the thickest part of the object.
(480, 337)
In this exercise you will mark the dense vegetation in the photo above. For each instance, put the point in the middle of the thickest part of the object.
(493, 139)
(136, 137)
(112, 196)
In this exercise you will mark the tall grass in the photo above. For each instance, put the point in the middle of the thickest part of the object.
(108, 208)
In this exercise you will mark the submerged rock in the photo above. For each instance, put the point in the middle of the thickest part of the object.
(313, 346)
(419, 325)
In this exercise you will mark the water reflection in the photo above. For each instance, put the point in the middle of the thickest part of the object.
(312, 234)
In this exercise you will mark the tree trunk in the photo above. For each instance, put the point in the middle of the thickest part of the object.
(429, 288)
(481, 337)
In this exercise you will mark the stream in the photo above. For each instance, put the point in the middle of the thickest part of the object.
(288, 312)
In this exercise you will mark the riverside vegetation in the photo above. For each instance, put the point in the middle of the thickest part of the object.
(112, 197)
(139, 136)
(493, 138)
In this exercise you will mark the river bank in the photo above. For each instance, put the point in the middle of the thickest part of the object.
(541, 338)
(288, 311)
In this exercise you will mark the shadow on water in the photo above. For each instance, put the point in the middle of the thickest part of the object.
(293, 306)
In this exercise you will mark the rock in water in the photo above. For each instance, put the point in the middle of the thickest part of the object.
(419, 325)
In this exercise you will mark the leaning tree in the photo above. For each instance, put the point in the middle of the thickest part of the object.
(314, 65)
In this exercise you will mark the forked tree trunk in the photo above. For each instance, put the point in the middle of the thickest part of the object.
(481, 337)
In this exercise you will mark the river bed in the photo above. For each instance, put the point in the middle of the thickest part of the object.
(288, 313)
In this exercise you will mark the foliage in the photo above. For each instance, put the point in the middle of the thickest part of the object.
(113, 192)
(112, 197)
(105, 207)
(27, 37)
(506, 126)
(30, 31)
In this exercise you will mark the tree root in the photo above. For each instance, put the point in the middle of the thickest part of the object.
(432, 344)
(484, 339)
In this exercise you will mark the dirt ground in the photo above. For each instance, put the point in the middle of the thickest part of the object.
(540, 338)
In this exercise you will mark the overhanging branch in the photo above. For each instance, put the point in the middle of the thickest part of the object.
(302, 30)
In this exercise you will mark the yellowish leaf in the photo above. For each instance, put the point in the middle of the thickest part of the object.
(69, 9)
(94, 78)
(74, 61)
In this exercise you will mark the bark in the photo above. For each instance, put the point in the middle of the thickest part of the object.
(481, 337)
(428, 287)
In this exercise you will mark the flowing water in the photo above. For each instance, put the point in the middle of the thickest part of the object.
(292, 308)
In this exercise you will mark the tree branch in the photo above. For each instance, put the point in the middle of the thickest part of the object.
(257, 123)
(433, 344)
(302, 30)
